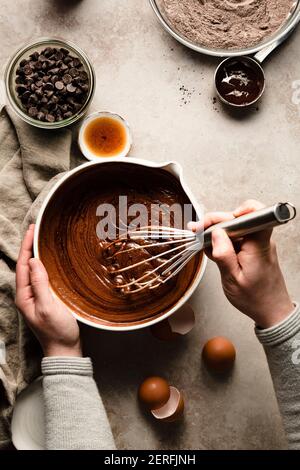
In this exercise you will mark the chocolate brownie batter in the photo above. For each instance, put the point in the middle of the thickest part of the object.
(77, 261)
(227, 24)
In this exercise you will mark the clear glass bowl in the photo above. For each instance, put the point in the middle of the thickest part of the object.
(23, 53)
(291, 22)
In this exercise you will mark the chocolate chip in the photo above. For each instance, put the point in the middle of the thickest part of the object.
(63, 67)
(49, 93)
(48, 86)
(54, 71)
(20, 89)
(26, 95)
(71, 88)
(64, 108)
(59, 55)
(76, 63)
(64, 51)
(54, 79)
(84, 88)
(47, 52)
(59, 85)
(40, 116)
(76, 80)
(70, 100)
(83, 76)
(34, 56)
(51, 104)
(68, 115)
(33, 99)
(67, 59)
(32, 111)
(67, 79)
(77, 107)
(51, 64)
(73, 72)
(23, 63)
(39, 83)
(50, 117)
(44, 100)
(27, 69)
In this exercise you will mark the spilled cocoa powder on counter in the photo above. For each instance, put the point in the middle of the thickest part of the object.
(227, 24)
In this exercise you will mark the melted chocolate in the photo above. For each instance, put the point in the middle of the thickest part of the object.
(75, 258)
(240, 81)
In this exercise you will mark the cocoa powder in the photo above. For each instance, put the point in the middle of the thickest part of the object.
(227, 24)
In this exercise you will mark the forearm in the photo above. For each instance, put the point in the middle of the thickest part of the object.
(74, 412)
(282, 346)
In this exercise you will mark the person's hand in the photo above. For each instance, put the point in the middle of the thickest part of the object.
(250, 272)
(54, 326)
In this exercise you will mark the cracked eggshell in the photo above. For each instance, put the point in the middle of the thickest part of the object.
(163, 332)
(173, 409)
(154, 392)
(178, 324)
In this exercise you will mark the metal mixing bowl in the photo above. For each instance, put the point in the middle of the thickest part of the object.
(290, 23)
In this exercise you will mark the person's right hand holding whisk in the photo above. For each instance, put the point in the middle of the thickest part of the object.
(251, 276)
(253, 282)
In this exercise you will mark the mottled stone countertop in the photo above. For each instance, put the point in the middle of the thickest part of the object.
(166, 93)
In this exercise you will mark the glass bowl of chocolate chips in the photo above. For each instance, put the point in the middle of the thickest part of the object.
(50, 83)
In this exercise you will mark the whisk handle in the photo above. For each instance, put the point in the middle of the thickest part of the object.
(256, 221)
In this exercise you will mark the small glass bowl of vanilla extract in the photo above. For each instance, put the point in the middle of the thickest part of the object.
(104, 134)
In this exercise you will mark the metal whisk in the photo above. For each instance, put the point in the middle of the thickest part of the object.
(177, 247)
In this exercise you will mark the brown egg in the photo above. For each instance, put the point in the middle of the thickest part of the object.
(154, 392)
(219, 354)
(173, 409)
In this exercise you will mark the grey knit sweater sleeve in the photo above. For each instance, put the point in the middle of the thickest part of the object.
(74, 413)
(282, 346)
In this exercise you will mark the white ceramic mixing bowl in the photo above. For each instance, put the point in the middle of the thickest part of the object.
(176, 170)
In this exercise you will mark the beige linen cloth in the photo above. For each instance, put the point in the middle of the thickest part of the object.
(29, 159)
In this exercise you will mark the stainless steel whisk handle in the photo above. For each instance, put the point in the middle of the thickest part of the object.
(256, 221)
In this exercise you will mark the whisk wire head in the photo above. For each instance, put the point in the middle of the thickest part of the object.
(184, 244)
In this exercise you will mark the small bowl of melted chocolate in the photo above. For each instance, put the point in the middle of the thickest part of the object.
(239, 81)
(75, 251)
